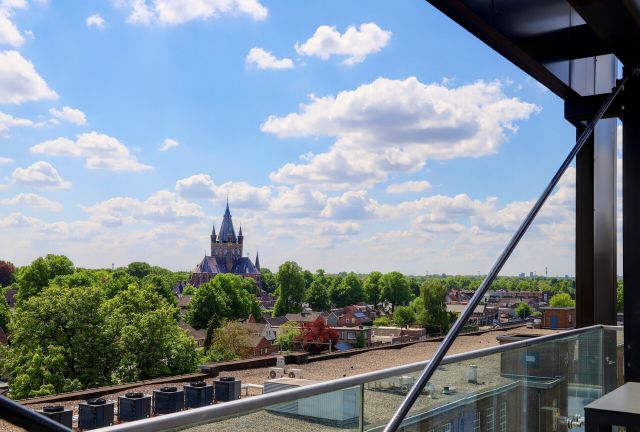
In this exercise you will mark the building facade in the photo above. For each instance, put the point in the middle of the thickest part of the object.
(226, 256)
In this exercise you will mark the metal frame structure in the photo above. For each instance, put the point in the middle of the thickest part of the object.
(243, 406)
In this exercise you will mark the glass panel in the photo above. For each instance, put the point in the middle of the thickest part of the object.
(335, 411)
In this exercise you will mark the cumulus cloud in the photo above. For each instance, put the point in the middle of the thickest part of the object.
(6, 160)
(7, 121)
(39, 175)
(408, 186)
(244, 195)
(390, 126)
(9, 33)
(354, 43)
(174, 12)
(350, 205)
(19, 81)
(70, 115)
(100, 151)
(265, 60)
(34, 201)
(168, 144)
(96, 21)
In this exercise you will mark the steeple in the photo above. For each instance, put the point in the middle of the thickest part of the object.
(240, 236)
(227, 232)
(257, 261)
(213, 239)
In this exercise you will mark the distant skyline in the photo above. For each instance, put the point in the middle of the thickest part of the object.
(347, 138)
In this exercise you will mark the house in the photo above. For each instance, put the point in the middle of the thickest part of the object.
(395, 335)
(350, 335)
(482, 314)
(558, 317)
(261, 329)
(183, 303)
(198, 335)
(259, 346)
(354, 319)
(274, 321)
(331, 318)
(304, 317)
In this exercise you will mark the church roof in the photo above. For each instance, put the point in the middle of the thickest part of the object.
(227, 233)
(211, 265)
(245, 266)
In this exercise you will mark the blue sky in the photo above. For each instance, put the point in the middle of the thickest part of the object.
(347, 137)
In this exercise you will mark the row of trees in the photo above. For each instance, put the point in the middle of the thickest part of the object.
(76, 328)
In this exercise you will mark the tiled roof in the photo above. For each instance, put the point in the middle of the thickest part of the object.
(184, 301)
(245, 266)
(227, 233)
(310, 317)
(276, 321)
(211, 265)
(195, 334)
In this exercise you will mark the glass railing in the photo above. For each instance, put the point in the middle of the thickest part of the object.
(532, 384)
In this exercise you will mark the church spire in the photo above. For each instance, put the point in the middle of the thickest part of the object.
(257, 261)
(227, 232)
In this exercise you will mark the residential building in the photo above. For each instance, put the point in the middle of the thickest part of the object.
(558, 317)
(198, 335)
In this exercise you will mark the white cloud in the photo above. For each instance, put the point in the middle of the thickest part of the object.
(40, 175)
(6, 160)
(96, 21)
(408, 186)
(265, 60)
(168, 144)
(354, 43)
(9, 33)
(19, 81)
(34, 201)
(70, 115)
(391, 126)
(350, 205)
(174, 12)
(100, 151)
(7, 121)
(243, 194)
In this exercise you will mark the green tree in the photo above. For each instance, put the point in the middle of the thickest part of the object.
(212, 326)
(161, 285)
(269, 280)
(35, 277)
(308, 278)
(404, 316)
(361, 340)
(433, 293)
(209, 300)
(382, 321)
(317, 296)
(5, 313)
(288, 333)
(562, 300)
(348, 292)
(373, 288)
(395, 289)
(230, 342)
(139, 269)
(523, 310)
(620, 297)
(118, 281)
(290, 290)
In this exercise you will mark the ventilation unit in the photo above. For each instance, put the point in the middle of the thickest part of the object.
(58, 413)
(280, 361)
(168, 400)
(295, 373)
(227, 389)
(198, 394)
(134, 406)
(95, 413)
(276, 372)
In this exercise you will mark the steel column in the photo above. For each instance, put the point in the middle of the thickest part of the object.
(631, 229)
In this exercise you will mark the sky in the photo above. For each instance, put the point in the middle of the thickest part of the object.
(347, 138)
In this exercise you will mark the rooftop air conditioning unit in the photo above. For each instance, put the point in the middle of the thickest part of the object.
(95, 413)
(58, 413)
(168, 400)
(276, 372)
(295, 373)
(227, 389)
(134, 406)
(198, 394)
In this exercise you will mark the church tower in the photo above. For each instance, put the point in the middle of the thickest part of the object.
(213, 239)
(228, 246)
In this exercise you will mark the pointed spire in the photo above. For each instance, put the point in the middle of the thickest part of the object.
(257, 260)
(213, 230)
(227, 233)
(240, 232)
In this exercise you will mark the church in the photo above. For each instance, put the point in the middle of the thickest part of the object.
(226, 255)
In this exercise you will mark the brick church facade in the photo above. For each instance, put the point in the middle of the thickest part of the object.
(226, 256)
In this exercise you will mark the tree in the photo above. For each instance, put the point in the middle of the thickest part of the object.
(308, 278)
(361, 340)
(382, 321)
(523, 310)
(562, 300)
(5, 313)
(139, 269)
(269, 280)
(230, 342)
(212, 326)
(6, 273)
(161, 285)
(290, 290)
(373, 288)
(317, 336)
(118, 282)
(288, 333)
(209, 300)
(348, 292)
(35, 277)
(317, 296)
(395, 289)
(433, 293)
(619, 297)
(404, 316)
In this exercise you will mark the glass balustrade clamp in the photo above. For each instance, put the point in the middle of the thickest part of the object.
(444, 346)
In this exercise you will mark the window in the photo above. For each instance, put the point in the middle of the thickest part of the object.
(491, 421)
(351, 335)
(476, 422)
(502, 417)
(445, 427)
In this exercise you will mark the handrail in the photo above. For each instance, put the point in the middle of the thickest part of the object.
(416, 390)
(219, 411)
(28, 419)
